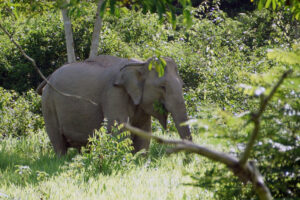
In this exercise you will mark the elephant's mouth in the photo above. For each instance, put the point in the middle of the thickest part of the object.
(160, 108)
(161, 113)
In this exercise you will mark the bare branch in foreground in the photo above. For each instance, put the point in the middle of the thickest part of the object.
(186, 145)
(256, 118)
(247, 172)
(39, 71)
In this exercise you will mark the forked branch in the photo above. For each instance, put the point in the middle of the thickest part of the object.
(255, 118)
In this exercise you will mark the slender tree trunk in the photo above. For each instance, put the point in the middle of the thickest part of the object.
(68, 35)
(96, 32)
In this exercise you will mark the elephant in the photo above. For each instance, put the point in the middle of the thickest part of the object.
(124, 90)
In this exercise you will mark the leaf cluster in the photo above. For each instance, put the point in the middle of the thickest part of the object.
(294, 6)
(105, 153)
(19, 115)
(164, 8)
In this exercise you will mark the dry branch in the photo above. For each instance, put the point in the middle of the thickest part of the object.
(39, 71)
(246, 172)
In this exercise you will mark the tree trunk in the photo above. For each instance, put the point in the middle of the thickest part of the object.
(96, 32)
(69, 36)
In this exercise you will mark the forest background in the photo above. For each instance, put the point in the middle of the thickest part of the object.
(226, 60)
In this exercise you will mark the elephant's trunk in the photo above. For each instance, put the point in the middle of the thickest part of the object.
(179, 116)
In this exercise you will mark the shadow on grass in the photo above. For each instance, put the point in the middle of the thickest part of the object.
(14, 170)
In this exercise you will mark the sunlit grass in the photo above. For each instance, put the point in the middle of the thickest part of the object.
(29, 169)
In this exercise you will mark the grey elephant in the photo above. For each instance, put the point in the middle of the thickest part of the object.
(124, 90)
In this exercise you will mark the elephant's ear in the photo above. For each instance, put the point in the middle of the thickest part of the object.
(131, 79)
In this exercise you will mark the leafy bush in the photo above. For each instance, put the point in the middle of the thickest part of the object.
(42, 38)
(277, 150)
(19, 115)
(211, 41)
(105, 153)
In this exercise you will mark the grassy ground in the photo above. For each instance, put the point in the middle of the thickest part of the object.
(29, 169)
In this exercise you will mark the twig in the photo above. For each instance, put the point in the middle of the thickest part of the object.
(39, 71)
(255, 118)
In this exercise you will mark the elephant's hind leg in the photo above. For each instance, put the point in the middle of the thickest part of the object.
(54, 130)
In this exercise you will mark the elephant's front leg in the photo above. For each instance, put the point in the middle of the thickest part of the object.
(142, 121)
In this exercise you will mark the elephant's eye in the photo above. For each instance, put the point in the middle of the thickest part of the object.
(163, 87)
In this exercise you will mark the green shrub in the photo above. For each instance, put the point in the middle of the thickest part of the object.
(211, 41)
(105, 153)
(42, 38)
(19, 114)
(277, 149)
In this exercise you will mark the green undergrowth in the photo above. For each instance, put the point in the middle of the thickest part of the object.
(29, 169)
(105, 169)
(226, 65)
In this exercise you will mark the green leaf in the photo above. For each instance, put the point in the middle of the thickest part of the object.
(274, 4)
(157, 66)
(161, 71)
(171, 15)
(260, 4)
(163, 62)
(183, 3)
(187, 17)
(150, 65)
(297, 16)
(117, 12)
(268, 3)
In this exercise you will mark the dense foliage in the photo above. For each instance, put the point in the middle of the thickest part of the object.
(105, 153)
(223, 62)
(19, 115)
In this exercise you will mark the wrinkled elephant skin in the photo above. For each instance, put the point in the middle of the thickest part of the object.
(123, 90)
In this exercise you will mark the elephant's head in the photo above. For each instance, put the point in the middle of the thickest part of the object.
(156, 95)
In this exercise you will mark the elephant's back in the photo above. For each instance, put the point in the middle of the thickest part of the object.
(107, 61)
(88, 77)
(80, 79)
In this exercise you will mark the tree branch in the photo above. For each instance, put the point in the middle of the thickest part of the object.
(255, 118)
(246, 173)
(96, 32)
(186, 145)
(68, 34)
(39, 71)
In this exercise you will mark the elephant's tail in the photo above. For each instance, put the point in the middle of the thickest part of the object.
(41, 86)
